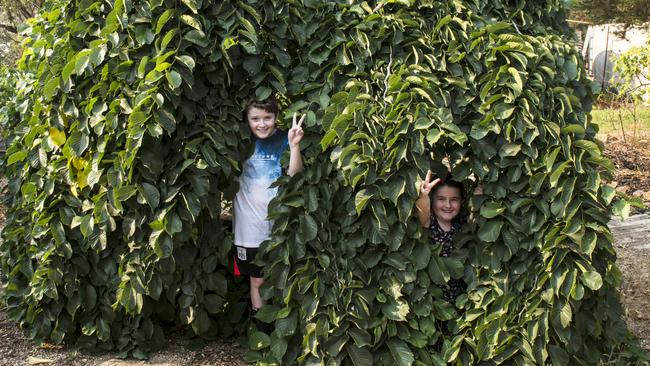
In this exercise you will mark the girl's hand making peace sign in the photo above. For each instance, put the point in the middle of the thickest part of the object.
(427, 185)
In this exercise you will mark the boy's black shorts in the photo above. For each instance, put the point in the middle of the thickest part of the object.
(244, 258)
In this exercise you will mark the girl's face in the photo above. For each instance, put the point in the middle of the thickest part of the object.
(261, 122)
(446, 204)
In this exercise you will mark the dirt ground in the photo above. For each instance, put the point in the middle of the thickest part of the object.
(632, 162)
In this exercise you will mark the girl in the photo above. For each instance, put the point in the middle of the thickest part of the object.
(443, 222)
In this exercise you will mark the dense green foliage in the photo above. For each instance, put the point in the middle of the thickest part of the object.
(130, 138)
(8, 90)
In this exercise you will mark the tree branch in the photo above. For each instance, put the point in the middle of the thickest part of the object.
(9, 28)
(26, 13)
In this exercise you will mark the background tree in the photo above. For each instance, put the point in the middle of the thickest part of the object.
(626, 12)
(12, 14)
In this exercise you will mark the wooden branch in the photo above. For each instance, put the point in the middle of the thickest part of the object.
(26, 13)
(9, 28)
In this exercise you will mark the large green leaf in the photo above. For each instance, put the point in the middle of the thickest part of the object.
(401, 353)
(359, 356)
(490, 230)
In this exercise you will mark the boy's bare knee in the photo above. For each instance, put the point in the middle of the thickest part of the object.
(256, 282)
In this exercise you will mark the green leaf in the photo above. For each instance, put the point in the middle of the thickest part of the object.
(103, 329)
(16, 157)
(621, 208)
(164, 246)
(174, 79)
(213, 303)
(286, 326)
(491, 210)
(267, 313)
(608, 193)
(81, 61)
(57, 137)
(150, 194)
(308, 227)
(394, 189)
(359, 356)
(78, 142)
(191, 21)
(197, 37)
(87, 225)
(262, 92)
(401, 353)
(592, 279)
(201, 322)
(50, 88)
(421, 256)
(503, 110)
(191, 4)
(187, 61)
(361, 200)
(566, 315)
(163, 19)
(396, 310)
(88, 297)
(555, 175)
(559, 357)
(509, 149)
(258, 341)
(489, 231)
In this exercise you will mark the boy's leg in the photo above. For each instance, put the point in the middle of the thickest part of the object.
(256, 299)
(257, 302)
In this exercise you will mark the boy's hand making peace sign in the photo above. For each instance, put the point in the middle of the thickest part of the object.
(296, 133)
(427, 185)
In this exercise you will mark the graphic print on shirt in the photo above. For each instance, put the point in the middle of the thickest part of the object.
(263, 167)
(251, 202)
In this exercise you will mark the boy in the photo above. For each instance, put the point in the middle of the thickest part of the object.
(250, 207)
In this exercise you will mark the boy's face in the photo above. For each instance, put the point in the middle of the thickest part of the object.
(446, 203)
(261, 122)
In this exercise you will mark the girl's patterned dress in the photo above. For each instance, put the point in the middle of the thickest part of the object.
(455, 287)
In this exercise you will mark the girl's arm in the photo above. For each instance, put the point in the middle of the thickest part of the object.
(423, 204)
(294, 136)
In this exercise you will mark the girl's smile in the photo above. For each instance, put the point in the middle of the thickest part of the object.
(446, 205)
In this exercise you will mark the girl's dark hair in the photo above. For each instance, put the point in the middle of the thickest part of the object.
(452, 184)
(269, 104)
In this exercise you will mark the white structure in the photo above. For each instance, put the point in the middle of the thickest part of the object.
(602, 45)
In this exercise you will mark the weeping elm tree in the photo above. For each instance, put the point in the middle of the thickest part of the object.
(128, 139)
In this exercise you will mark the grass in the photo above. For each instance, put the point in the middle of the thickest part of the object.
(630, 122)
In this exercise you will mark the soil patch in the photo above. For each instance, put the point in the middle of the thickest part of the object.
(17, 349)
(635, 292)
(632, 164)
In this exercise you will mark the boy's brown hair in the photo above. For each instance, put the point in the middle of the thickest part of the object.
(269, 104)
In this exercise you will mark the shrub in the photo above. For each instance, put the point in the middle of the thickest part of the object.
(131, 138)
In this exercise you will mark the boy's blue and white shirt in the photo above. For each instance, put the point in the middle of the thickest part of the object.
(251, 202)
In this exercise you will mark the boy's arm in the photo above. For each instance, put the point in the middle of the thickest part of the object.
(295, 160)
(294, 136)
